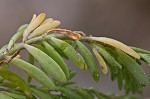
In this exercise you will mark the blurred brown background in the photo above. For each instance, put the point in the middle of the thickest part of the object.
(124, 20)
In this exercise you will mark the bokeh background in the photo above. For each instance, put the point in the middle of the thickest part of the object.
(125, 20)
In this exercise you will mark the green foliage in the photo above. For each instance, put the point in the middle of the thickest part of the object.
(57, 58)
(54, 76)
(16, 80)
(48, 64)
(75, 57)
(34, 72)
(13, 95)
(90, 61)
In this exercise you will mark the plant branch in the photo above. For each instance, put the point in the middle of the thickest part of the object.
(19, 46)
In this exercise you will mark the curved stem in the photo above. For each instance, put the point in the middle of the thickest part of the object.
(19, 46)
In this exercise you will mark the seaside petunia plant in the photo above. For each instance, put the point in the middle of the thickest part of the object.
(50, 46)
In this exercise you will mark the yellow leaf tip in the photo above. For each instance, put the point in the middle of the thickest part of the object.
(116, 44)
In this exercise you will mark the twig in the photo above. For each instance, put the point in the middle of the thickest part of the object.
(14, 50)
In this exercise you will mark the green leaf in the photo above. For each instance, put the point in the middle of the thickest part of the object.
(22, 28)
(5, 96)
(84, 94)
(69, 84)
(8, 85)
(133, 67)
(17, 80)
(57, 58)
(145, 57)
(39, 46)
(139, 50)
(59, 51)
(120, 79)
(31, 61)
(47, 63)
(115, 44)
(90, 60)
(17, 36)
(69, 93)
(69, 42)
(34, 72)
(75, 57)
(112, 63)
(128, 79)
(3, 49)
(130, 83)
(13, 95)
(40, 94)
(101, 61)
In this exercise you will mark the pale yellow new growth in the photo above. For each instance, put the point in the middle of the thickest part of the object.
(101, 61)
(35, 22)
(43, 28)
(47, 20)
(33, 18)
(116, 44)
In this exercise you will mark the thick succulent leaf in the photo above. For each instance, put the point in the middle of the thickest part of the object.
(145, 57)
(84, 94)
(13, 95)
(57, 58)
(111, 51)
(101, 61)
(8, 85)
(40, 94)
(33, 24)
(120, 79)
(17, 80)
(130, 83)
(3, 48)
(22, 28)
(128, 80)
(71, 42)
(43, 28)
(112, 63)
(47, 20)
(97, 94)
(34, 72)
(31, 61)
(69, 93)
(75, 57)
(139, 50)
(39, 46)
(90, 60)
(5, 96)
(69, 84)
(59, 51)
(33, 18)
(116, 44)
(47, 63)
(134, 68)
(17, 36)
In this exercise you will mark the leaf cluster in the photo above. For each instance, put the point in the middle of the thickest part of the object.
(54, 75)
